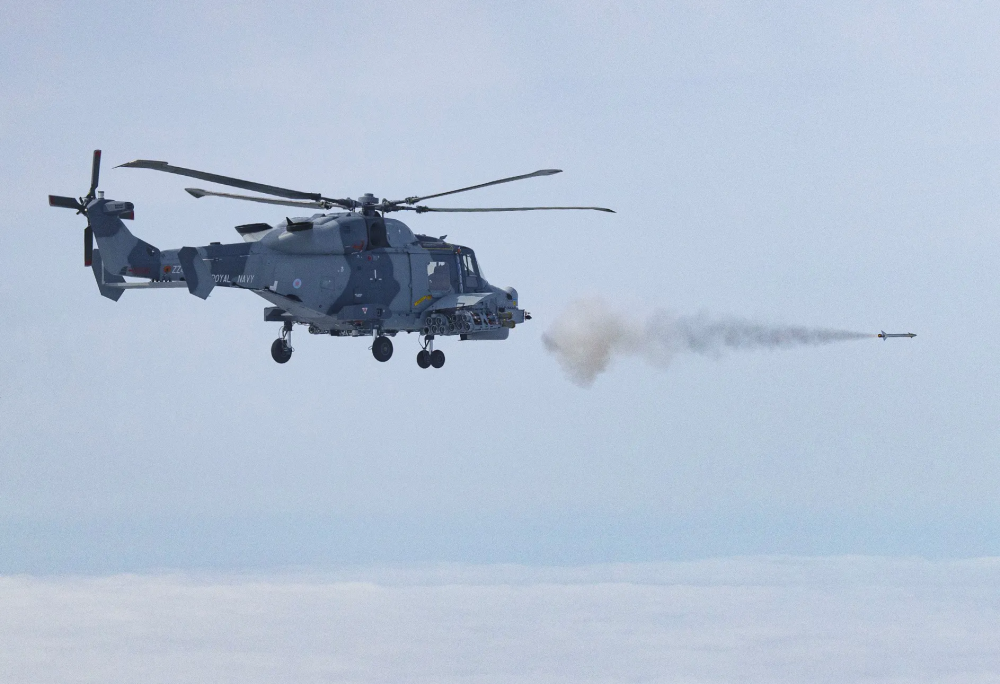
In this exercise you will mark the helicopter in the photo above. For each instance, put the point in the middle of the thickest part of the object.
(344, 271)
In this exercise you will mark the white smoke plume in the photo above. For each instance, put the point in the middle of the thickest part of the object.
(590, 334)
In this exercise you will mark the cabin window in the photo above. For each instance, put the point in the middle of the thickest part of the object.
(439, 277)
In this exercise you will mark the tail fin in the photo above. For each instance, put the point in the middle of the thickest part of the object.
(197, 274)
(103, 278)
(120, 250)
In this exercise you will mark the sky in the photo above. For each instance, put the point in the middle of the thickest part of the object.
(829, 165)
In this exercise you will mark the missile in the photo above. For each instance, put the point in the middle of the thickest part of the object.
(884, 335)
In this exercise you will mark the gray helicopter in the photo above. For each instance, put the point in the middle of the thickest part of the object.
(347, 272)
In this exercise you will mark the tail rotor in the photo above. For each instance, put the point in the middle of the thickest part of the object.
(80, 205)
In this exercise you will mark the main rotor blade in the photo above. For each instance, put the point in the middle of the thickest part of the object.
(543, 172)
(95, 173)
(65, 202)
(199, 193)
(234, 182)
(422, 209)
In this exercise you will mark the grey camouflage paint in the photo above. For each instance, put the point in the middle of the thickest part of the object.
(343, 273)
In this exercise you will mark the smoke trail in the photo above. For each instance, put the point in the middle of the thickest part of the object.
(590, 334)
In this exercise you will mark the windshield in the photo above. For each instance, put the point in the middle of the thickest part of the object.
(469, 263)
(470, 266)
(474, 280)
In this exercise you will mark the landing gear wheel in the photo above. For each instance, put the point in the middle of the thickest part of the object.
(424, 358)
(437, 358)
(280, 351)
(382, 348)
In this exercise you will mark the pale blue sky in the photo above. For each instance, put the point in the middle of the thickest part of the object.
(834, 165)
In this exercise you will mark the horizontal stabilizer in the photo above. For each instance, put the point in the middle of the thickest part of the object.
(149, 285)
(197, 274)
(106, 282)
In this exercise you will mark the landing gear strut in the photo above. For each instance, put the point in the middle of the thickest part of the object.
(382, 348)
(429, 356)
(281, 348)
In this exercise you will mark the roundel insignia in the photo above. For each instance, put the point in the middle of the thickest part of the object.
(297, 283)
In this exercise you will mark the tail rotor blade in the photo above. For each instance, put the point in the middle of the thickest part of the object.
(88, 246)
(65, 202)
(95, 173)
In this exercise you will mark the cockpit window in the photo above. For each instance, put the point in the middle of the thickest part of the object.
(469, 263)
(470, 270)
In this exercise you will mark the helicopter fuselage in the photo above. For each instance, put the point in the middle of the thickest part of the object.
(341, 273)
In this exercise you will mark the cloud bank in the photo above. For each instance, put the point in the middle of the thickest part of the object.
(728, 620)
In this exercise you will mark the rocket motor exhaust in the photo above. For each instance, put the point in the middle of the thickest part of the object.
(589, 335)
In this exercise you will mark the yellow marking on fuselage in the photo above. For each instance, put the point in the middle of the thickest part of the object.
(422, 300)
